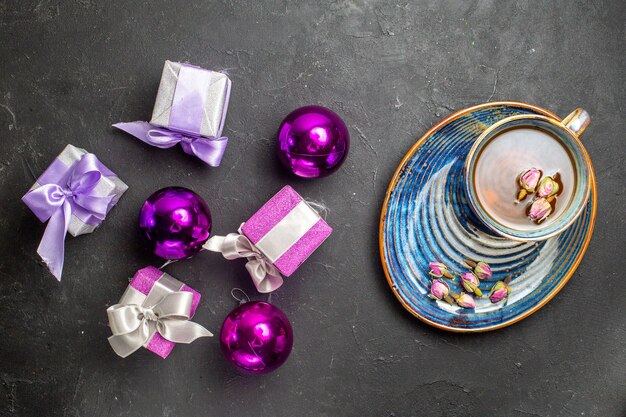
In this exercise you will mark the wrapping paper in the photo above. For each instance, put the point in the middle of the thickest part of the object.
(149, 286)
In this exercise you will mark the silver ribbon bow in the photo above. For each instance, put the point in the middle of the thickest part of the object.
(133, 325)
(265, 276)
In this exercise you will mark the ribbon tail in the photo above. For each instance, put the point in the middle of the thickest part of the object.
(231, 246)
(137, 129)
(264, 281)
(52, 246)
(209, 150)
(141, 130)
(179, 331)
(214, 244)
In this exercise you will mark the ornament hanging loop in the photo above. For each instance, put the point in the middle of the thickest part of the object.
(244, 297)
(320, 208)
(169, 261)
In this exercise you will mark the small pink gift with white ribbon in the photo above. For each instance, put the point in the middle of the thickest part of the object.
(155, 312)
(276, 240)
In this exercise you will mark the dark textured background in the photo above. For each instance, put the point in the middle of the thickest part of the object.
(70, 69)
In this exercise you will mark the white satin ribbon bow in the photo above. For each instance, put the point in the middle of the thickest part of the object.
(133, 325)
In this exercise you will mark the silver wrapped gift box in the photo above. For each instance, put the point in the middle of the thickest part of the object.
(187, 85)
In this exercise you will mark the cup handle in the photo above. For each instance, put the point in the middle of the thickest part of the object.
(577, 121)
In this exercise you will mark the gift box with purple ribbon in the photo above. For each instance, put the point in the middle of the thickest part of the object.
(190, 110)
(276, 240)
(154, 313)
(74, 194)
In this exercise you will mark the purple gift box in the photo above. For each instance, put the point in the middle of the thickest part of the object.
(147, 288)
(286, 230)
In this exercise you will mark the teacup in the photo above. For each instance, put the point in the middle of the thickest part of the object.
(514, 145)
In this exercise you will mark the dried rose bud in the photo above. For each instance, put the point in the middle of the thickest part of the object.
(528, 181)
(439, 290)
(470, 283)
(539, 210)
(465, 300)
(438, 270)
(482, 270)
(499, 292)
(547, 187)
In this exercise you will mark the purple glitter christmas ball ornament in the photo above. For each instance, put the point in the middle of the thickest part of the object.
(256, 337)
(313, 141)
(176, 221)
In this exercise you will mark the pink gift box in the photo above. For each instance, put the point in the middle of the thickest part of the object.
(286, 230)
(148, 286)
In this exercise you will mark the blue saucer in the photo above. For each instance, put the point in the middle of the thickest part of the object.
(425, 217)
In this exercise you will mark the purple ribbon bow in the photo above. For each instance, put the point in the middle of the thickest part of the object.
(55, 202)
(209, 150)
